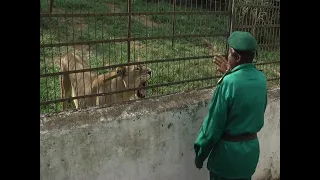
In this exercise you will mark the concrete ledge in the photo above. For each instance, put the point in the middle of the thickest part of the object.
(72, 119)
(66, 120)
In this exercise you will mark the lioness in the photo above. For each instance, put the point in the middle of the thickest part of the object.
(88, 83)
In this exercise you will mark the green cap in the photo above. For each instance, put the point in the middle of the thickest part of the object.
(242, 41)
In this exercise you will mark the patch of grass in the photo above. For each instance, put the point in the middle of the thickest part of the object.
(61, 30)
(68, 6)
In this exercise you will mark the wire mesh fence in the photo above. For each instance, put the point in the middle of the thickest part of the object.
(262, 19)
(85, 44)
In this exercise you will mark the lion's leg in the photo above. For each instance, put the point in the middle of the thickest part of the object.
(65, 89)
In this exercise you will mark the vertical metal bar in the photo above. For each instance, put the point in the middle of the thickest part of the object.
(129, 28)
(51, 5)
(215, 5)
(113, 10)
(253, 24)
(173, 20)
(251, 21)
(59, 40)
(96, 48)
(231, 15)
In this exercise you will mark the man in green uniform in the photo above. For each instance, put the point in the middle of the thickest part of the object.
(236, 114)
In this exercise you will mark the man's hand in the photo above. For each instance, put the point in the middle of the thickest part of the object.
(198, 164)
(222, 63)
(196, 161)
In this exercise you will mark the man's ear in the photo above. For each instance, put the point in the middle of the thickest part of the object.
(238, 58)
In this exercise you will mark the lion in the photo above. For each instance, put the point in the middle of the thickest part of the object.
(89, 83)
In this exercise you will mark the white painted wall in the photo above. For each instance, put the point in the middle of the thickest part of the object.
(148, 140)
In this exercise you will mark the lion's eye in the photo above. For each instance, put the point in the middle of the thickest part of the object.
(137, 68)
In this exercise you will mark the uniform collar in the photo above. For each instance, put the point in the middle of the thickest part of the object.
(242, 66)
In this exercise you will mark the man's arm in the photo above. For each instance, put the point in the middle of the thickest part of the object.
(265, 106)
(213, 125)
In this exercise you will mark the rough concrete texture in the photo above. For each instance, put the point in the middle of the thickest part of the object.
(148, 140)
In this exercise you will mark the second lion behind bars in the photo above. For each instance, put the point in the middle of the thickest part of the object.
(88, 83)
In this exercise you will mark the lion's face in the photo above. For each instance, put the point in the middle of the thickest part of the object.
(137, 76)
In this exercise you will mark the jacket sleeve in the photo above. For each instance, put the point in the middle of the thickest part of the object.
(213, 125)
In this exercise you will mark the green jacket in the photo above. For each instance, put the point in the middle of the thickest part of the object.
(237, 107)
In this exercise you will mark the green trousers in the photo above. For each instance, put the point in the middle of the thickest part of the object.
(214, 177)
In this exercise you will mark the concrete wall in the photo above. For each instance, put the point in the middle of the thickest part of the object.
(147, 140)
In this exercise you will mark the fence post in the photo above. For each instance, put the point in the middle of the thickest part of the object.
(173, 20)
(231, 15)
(129, 29)
(51, 6)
